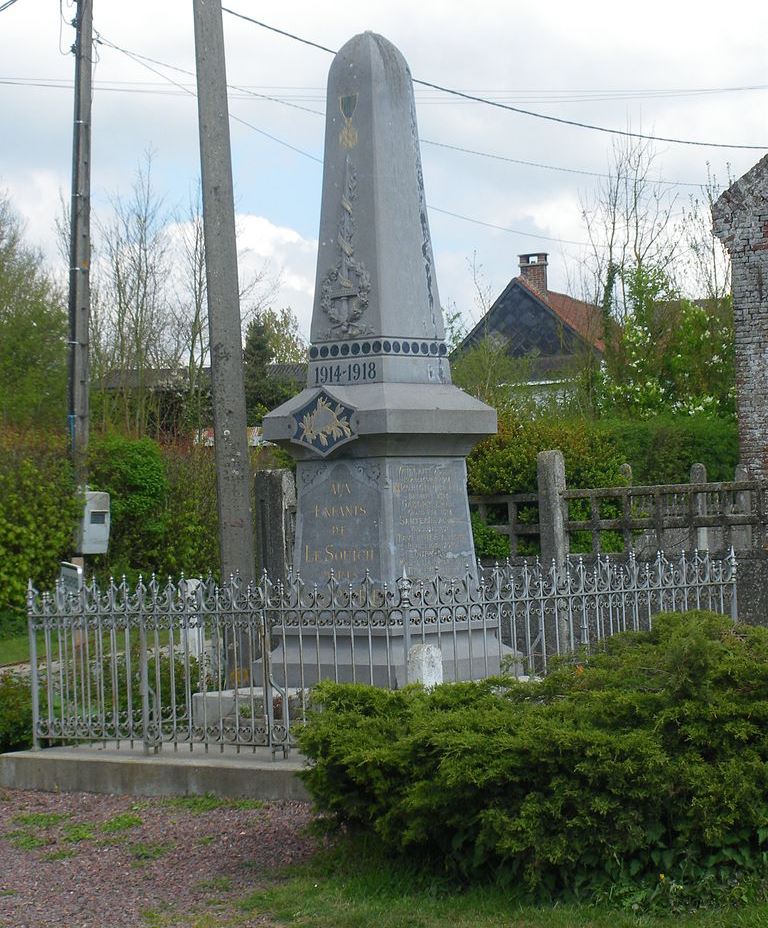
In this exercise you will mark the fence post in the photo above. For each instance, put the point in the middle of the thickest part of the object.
(33, 669)
(144, 683)
(550, 466)
(699, 475)
(741, 535)
(626, 509)
(553, 511)
(275, 508)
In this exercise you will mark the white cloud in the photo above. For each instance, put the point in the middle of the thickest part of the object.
(288, 257)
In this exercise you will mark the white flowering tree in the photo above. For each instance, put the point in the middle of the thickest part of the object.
(670, 355)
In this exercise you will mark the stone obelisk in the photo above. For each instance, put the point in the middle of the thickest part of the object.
(380, 434)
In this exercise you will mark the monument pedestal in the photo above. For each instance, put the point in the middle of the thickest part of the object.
(379, 655)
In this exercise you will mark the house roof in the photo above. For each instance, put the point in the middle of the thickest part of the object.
(579, 322)
(585, 319)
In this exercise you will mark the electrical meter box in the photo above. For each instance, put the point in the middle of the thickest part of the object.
(93, 534)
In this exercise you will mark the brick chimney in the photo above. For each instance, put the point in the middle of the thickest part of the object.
(533, 270)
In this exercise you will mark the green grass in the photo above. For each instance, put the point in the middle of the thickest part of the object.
(143, 850)
(356, 889)
(26, 840)
(157, 918)
(15, 650)
(123, 822)
(77, 832)
(41, 819)
(210, 803)
(59, 855)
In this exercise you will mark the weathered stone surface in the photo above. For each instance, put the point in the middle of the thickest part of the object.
(741, 223)
(425, 665)
(275, 494)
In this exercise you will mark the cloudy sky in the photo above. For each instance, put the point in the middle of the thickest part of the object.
(686, 70)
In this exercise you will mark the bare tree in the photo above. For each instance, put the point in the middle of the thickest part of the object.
(192, 310)
(629, 224)
(139, 333)
(190, 306)
(708, 266)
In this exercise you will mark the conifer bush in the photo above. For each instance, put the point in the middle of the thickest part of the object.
(15, 713)
(639, 773)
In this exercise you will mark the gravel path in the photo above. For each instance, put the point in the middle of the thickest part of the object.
(86, 861)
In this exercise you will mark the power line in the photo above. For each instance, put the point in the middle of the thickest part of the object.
(4, 6)
(491, 225)
(312, 94)
(626, 133)
(143, 59)
(100, 39)
(173, 67)
(548, 167)
(288, 35)
(248, 92)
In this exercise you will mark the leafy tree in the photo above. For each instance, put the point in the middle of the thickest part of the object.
(271, 337)
(670, 355)
(33, 332)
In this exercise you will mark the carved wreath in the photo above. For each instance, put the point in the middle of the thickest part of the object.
(359, 302)
(324, 423)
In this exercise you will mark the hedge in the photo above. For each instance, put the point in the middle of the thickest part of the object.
(659, 451)
(37, 513)
(640, 772)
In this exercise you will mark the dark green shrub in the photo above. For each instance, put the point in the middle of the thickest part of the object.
(131, 470)
(191, 519)
(663, 450)
(506, 462)
(488, 542)
(38, 510)
(639, 768)
(659, 450)
(15, 713)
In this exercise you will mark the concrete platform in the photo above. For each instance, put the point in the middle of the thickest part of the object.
(130, 772)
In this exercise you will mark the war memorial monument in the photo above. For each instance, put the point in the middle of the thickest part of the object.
(380, 434)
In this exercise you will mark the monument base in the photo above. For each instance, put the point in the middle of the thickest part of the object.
(379, 656)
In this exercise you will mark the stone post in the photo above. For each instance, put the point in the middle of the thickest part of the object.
(741, 535)
(425, 665)
(550, 466)
(275, 513)
(701, 534)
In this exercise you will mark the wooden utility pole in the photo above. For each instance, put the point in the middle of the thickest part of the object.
(80, 243)
(233, 476)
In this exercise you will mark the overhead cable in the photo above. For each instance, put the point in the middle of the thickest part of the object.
(626, 133)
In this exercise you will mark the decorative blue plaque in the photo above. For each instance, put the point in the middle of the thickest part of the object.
(324, 423)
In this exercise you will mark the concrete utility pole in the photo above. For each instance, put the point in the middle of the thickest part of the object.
(80, 243)
(231, 446)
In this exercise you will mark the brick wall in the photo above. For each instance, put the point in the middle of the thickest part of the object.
(533, 269)
(740, 219)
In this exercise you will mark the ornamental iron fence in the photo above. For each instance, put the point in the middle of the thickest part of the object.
(189, 663)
